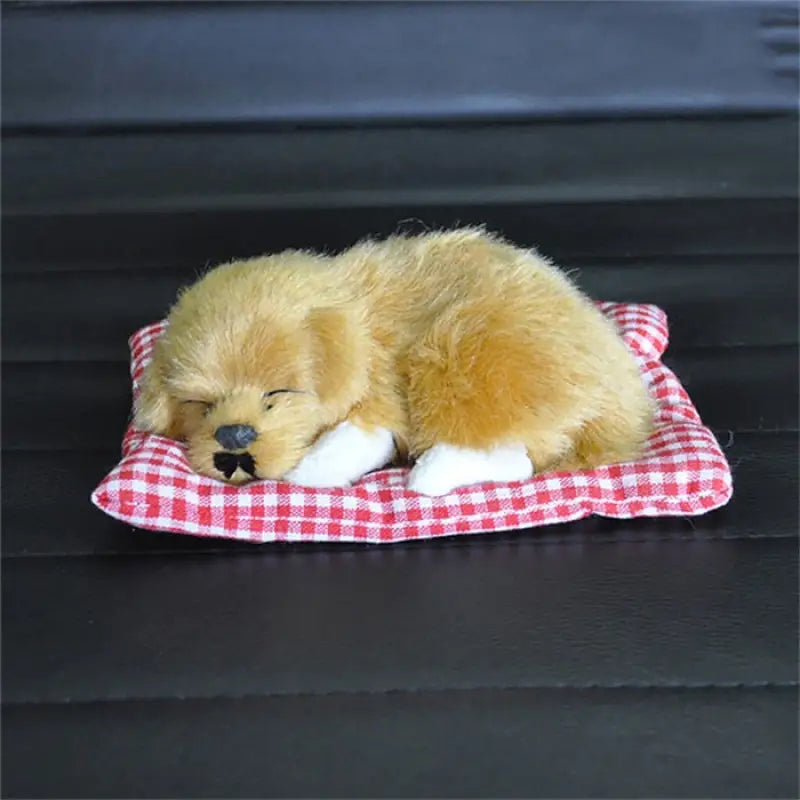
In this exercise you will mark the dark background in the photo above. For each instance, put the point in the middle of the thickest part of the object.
(650, 147)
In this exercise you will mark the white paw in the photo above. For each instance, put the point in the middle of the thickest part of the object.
(315, 474)
(444, 467)
(341, 456)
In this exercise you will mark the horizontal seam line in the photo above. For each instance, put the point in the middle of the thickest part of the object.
(422, 690)
(357, 204)
(785, 257)
(390, 196)
(244, 548)
(555, 687)
(588, 202)
(598, 114)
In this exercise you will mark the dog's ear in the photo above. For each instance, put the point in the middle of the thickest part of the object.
(155, 410)
(340, 351)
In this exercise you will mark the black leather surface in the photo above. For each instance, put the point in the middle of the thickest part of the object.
(711, 302)
(495, 614)
(725, 742)
(387, 166)
(639, 658)
(42, 243)
(403, 60)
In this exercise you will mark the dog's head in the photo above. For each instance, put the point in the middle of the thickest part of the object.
(248, 375)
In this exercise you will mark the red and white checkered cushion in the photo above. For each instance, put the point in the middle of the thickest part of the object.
(683, 473)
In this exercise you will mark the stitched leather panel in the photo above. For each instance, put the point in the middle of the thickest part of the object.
(725, 300)
(395, 165)
(491, 614)
(597, 743)
(433, 62)
(566, 232)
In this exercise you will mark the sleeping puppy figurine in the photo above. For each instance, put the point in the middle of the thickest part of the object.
(474, 359)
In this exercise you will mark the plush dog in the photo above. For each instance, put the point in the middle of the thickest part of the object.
(475, 359)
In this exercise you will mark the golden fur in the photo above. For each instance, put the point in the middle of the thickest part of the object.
(451, 337)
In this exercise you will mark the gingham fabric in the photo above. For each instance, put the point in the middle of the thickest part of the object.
(683, 472)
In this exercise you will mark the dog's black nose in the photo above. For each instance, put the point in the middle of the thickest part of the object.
(235, 437)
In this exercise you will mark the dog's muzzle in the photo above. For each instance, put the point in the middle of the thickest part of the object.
(228, 463)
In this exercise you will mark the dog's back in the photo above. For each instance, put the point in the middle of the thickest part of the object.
(498, 345)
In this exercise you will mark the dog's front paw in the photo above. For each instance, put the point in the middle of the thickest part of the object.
(444, 467)
(314, 472)
(341, 456)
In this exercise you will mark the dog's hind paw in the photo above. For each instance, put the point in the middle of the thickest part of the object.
(444, 467)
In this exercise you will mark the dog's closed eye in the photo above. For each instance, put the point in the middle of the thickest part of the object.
(205, 406)
(268, 395)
